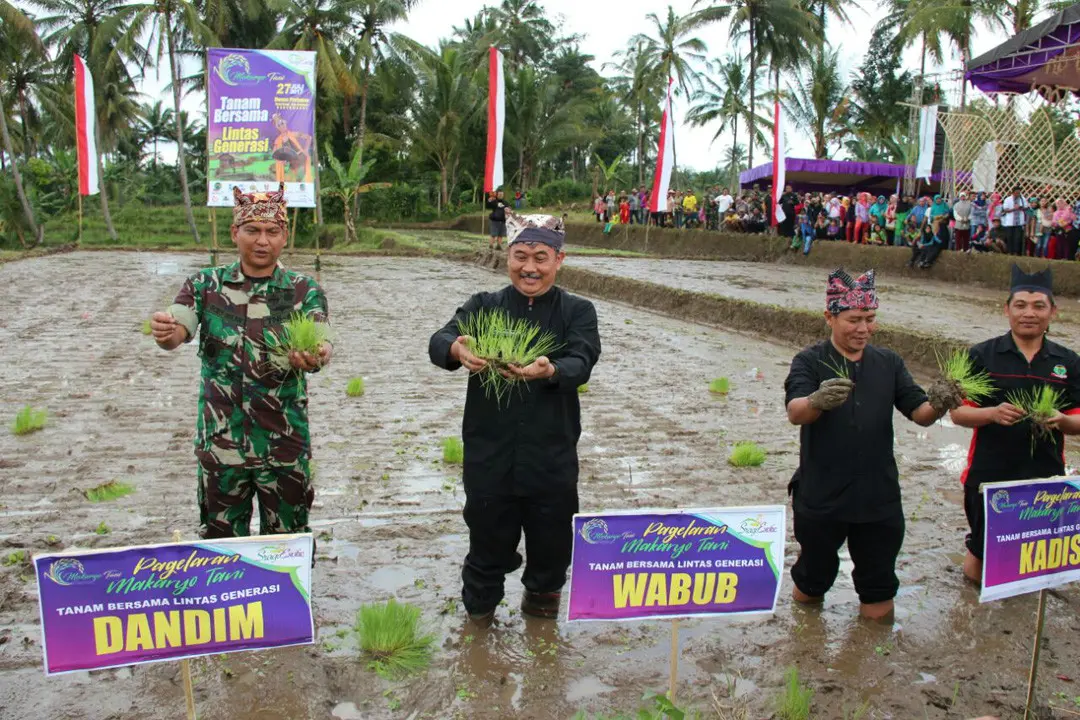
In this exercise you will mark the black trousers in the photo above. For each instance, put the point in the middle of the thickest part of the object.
(976, 517)
(873, 546)
(496, 522)
(1014, 240)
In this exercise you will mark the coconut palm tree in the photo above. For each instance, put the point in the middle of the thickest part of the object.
(17, 35)
(541, 119)
(907, 22)
(723, 98)
(448, 103)
(522, 30)
(638, 83)
(167, 24)
(156, 124)
(817, 102)
(672, 50)
(734, 162)
(778, 24)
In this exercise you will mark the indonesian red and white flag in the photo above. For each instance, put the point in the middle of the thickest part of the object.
(493, 168)
(85, 129)
(665, 158)
(778, 171)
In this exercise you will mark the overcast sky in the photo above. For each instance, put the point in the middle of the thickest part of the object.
(606, 29)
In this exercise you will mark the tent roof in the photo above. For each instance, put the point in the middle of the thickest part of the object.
(1045, 54)
(831, 174)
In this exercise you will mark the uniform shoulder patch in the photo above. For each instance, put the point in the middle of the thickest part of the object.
(1060, 372)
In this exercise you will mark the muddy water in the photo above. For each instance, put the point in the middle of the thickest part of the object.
(956, 311)
(388, 515)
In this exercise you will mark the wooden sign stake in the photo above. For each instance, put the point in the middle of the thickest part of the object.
(674, 669)
(1039, 618)
(185, 668)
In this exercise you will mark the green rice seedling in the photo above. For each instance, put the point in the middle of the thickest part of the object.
(959, 370)
(720, 386)
(794, 703)
(582, 389)
(391, 638)
(15, 557)
(746, 454)
(503, 341)
(355, 388)
(102, 528)
(28, 420)
(1039, 404)
(839, 368)
(300, 333)
(452, 450)
(111, 490)
(146, 327)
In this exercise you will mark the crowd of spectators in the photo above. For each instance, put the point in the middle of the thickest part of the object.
(987, 222)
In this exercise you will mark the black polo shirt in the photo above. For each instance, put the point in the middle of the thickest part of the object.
(1001, 453)
(847, 471)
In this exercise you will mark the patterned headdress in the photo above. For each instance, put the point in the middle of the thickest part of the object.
(259, 206)
(846, 293)
(546, 229)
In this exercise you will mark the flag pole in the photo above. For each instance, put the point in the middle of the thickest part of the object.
(79, 241)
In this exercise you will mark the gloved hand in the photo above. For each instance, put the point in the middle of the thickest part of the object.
(831, 394)
(944, 396)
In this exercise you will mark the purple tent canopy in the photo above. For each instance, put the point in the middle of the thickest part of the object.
(1047, 54)
(834, 175)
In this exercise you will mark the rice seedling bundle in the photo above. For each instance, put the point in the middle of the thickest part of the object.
(1039, 404)
(747, 454)
(300, 333)
(355, 388)
(452, 450)
(391, 638)
(959, 370)
(503, 341)
(838, 368)
(146, 329)
(794, 703)
(720, 386)
(28, 420)
(111, 490)
(582, 389)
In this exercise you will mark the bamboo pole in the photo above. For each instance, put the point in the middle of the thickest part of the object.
(1039, 621)
(318, 253)
(185, 669)
(79, 241)
(292, 232)
(213, 238)
(673, 678)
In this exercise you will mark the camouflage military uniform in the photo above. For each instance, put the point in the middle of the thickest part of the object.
(252, 434)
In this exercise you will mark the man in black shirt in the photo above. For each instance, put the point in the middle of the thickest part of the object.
(841, 393)
(1004, 446)
(496, 203)
(521, 464)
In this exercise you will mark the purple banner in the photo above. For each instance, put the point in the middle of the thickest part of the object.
(1032, 536)
(260, 128)
(106, 608)
(676, 563)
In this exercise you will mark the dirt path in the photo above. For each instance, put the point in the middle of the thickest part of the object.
(963, 312)
(388, 515)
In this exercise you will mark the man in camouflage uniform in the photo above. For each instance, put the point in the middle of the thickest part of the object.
(252, 436)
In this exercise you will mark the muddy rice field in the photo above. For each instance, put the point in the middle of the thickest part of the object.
(388, 511)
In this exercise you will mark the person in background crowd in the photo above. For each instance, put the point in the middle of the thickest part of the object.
(690, 209)
(634, 202)
(862, 217)
(497, 219)
(788, 201)
(821, 227)
(994, 208)
(519, 200)
(1013, 219)
(911, 233)
(598, 208)
(938, 208)
(980, 211)
(890, 221)
(644, 204)
(676, 210)
(877, 234)
(980, 240)
(919, 211)
(878, 209)
(724, 201)
(961, 211)
(833, 230)
(998, 236)
(928, 247)
(903, 209)
(848, 219)
(612, 206)
(1064, 220)
(1043, 247)
(624, 210)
